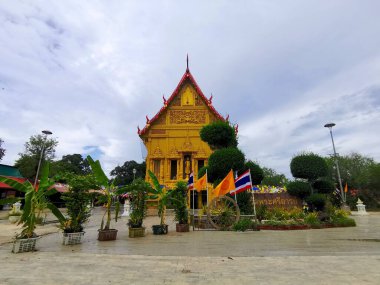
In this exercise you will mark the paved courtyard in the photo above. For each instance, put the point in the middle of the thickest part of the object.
(321, 256)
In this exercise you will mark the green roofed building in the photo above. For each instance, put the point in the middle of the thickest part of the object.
(11, 172)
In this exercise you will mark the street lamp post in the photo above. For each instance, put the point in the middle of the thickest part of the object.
(330, 126)
(46, 133)
(134, 173)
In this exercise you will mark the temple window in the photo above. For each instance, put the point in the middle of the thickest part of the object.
(156, 167)
(173, 169)
(201, 163)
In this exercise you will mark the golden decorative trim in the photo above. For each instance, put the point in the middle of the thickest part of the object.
(187, 116)
(158, 132)
(157, 153)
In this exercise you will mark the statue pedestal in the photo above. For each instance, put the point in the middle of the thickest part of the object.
(127, 207)
(361, 208)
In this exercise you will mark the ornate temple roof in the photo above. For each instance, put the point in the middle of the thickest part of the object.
(186, 77)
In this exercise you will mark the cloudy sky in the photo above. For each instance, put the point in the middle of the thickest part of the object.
(90, 71)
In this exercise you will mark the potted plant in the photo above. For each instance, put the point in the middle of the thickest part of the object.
(109, 198)
(76, 200)
(181, 212)
(15, 214)
(137, 193)
(26, 240)
(158, 192)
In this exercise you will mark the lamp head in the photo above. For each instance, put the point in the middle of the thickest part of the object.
(46, 132)
(329, 125)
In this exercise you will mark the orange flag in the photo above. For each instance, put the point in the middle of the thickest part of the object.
(345, 188)
(227, 184)
(201, 183)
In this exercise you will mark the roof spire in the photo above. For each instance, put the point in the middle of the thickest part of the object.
(187, 62)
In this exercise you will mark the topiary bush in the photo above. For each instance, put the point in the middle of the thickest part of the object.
(299, 189)
(202, 171)
(308, 166)
(219, 135)
(261, 212)
(245, 203)
(316, 201)
(257, 173)
(223, 160)
(324, 186)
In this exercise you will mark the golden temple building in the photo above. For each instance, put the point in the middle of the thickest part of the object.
(171, 137)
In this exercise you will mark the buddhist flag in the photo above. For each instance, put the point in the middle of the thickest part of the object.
(201, 183)
(227, 185)
(345, 188)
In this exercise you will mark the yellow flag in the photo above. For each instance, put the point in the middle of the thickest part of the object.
(227, 184)
(201, 183)
(346, 188)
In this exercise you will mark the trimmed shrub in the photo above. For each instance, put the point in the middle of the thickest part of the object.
(219, 135)
(308, 166)
(223, 160)
(261, 212)
(324, 186)
(245, 203)
(299, 189)
(344, 222)
(202, 171)
(242, 225)
(312, 220)
(257, 173)
(316, 201)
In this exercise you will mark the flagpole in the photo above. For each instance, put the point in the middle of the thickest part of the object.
(253, 195)
(193, 201)
(206, 188)
(235, 189)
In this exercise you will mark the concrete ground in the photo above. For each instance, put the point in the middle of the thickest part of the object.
(321, 256)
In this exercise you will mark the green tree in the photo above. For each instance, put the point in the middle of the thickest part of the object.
(71, 163)
(123, 175)
(28, 161)
(272, 178)
(219, 135)
(2, 150)
(354, 169)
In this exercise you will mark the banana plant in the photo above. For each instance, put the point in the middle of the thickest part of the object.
(163, 197)
(35, 201)
(109, 192)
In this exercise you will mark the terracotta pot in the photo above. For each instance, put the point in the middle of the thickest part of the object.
(181, 228)
(105, 235)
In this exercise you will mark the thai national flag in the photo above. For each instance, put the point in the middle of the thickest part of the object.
(242, 183)
(190, 183)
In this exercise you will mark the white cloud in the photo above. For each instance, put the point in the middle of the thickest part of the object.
(91, 70)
